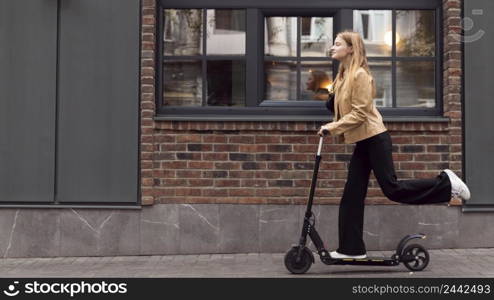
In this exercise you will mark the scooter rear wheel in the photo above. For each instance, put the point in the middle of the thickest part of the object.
(421, 257)
(298, 267)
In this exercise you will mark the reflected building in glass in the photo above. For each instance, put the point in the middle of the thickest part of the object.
(409, 65)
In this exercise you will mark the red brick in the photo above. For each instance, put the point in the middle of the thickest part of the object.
(146, 164)
(148, 20)
(174, 164)
(192, 138)
(455, 139)
(189, 173)
(402, 157)
(303, 183)
(241, 174)
(163, 191)
(333, 166)
(241, 139)
(226, 183)
(172, 147)
(215, 192)
(147, 181)
(148, 3)
(412, 166)
(215, 156)
(304, 149)
(200, 165)
(227, 166)
(253, 183)
(426, 139)
(402, 140)
(267, 139)
(303, 175)
(252, 148)
(226, 148)
(164, 173)
(295, 157)
(252, 200)
(268, 174)
(241, 192)
(201, 182)
(173, 182)
(188, 192)
(268, 192)
(214, 139)
(427, 157)
(294, 139)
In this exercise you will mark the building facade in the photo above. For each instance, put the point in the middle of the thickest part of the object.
(161, 127)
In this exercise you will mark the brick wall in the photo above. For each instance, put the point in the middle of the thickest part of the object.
(272, 162)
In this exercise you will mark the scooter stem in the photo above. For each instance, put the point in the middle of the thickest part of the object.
(320, 146)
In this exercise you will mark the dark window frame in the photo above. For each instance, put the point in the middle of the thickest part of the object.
(342, 13)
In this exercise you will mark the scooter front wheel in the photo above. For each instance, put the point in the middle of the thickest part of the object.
(301, 266)
(421, 257)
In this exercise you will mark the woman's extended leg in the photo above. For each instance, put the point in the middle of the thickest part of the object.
(351, 212)
(414, 191)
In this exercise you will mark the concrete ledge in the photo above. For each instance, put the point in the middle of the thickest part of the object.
(225, 228)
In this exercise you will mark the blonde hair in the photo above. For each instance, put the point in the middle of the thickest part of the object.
(358, 60)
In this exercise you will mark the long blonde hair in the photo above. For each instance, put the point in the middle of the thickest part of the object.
(359, 59)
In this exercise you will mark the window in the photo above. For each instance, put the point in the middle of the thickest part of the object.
(271, 63)
(204, 69)
(405, 69)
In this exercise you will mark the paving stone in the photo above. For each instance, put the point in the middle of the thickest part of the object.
(461, 263)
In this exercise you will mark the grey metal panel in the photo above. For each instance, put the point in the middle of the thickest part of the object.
(99, 101)
(28, 32)
(479, 104)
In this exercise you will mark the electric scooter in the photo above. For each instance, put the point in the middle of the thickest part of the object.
(299, 258)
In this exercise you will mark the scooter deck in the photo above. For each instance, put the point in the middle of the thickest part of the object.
(369, 261)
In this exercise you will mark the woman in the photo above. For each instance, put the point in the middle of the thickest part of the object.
(358, 120)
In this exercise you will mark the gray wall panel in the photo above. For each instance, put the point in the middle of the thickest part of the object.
(479, 101)
(98, 108)
(28, 32)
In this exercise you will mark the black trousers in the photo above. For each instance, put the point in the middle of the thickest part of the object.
(375, 153)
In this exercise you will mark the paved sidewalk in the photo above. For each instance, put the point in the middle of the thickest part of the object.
(443, 263)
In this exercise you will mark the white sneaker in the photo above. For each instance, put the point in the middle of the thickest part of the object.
(335, 254)
(458, 187)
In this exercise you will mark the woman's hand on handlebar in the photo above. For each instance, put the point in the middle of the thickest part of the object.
(323, 131)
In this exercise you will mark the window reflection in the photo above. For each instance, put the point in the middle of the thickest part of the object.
(225, 32)
(183, 79)
(182, 32)
(280, 36)
(415, 84)
(381, 71)
(415, 36)
(226, 83)
(375, 28)
(281, 80)
(316, 36)
(416, 31)
(315, 78)
(182, 83)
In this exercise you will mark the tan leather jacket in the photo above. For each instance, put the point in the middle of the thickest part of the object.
(356, 116)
